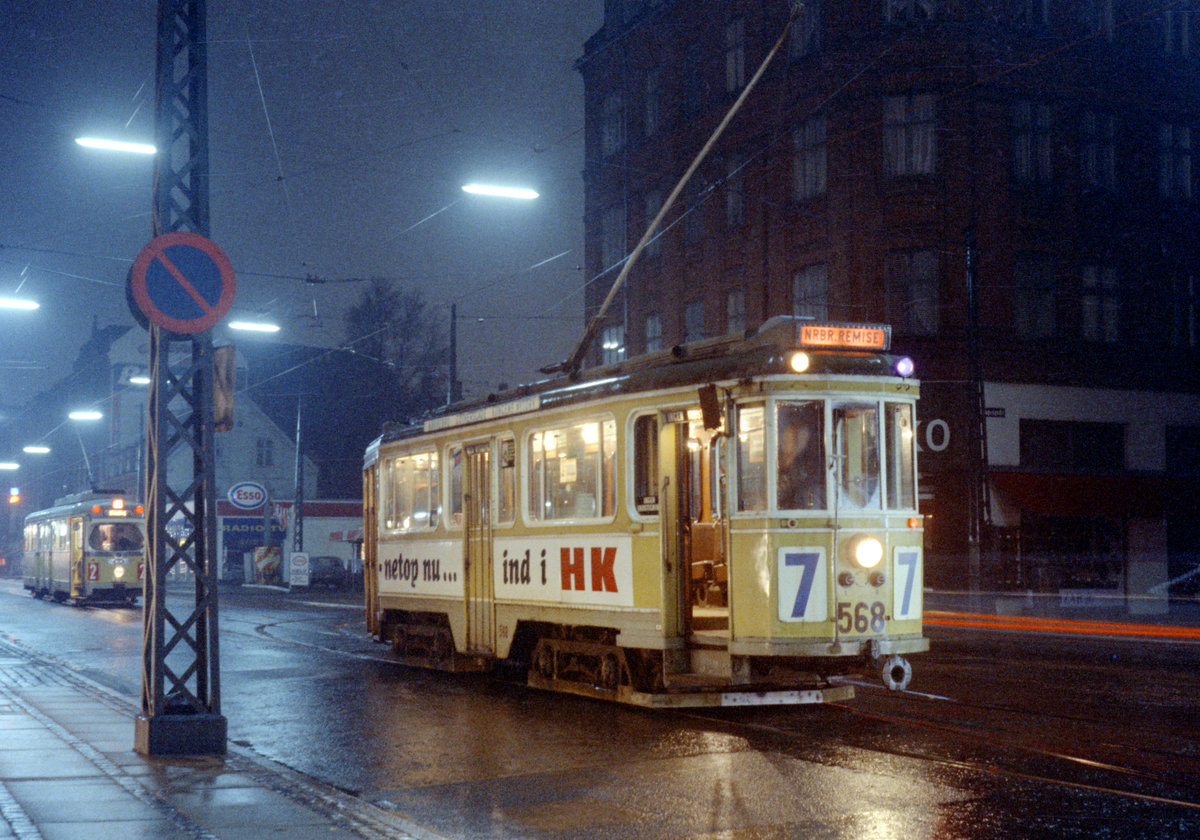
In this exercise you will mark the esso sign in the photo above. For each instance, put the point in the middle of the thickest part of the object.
(247, 495)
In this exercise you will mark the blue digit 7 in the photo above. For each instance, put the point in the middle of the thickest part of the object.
(907, 559)
(808, 561)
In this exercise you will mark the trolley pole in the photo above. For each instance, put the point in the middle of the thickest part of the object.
(181, 697)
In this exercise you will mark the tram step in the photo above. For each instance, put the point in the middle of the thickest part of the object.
(710, 663)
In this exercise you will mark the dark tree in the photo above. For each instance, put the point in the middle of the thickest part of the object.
(392, 323)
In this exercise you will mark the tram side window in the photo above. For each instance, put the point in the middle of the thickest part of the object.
(645, 464)
(455, 503)
(901, 444)
(62, 539)
(571, 475)
(507, 509)
(410, 492)
(856, 436)
(751, 459)
(800, 482)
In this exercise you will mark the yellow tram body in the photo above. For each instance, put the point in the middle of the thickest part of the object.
(633, 533)
(86, 549)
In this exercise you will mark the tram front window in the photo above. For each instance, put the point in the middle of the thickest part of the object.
(115, 536)
(856, 440)
(800, 481)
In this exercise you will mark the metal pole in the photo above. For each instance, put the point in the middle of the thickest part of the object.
(181, 696)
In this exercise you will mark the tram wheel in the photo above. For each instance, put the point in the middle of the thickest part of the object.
(610, 671)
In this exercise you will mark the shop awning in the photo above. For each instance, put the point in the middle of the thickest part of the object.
(1062, 494)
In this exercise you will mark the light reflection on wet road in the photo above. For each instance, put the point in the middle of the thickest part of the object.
(470, 757)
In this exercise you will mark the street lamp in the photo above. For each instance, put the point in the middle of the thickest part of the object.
(36, 449)
(254, 326)
(116, 145)
(18, 303)
(523, 193)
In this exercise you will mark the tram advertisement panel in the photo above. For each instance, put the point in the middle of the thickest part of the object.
(421, 567)
(584, 569)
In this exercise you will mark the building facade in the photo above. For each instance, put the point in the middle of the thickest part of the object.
(1008, 183)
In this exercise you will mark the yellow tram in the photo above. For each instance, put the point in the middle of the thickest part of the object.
(731, 522)
(86, 549)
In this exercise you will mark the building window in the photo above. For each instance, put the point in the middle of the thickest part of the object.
(909, 140)
(807, 35)
(693, 220)
(1097, 16)
(1183, 450)
(810, 292)
(1031, 143)
(1177, 30)
(1185, 310)
(909, 11)
(651, 204)
(1175, 161)
(264, 452)
(809, 159)
(612, 344)
(612, 125)
(735, 192)
(912, 291)
(735, 55)
(612, 237)
(653, 332)
(693, 321)
(1072, 445)
(652, 102)
(1101, 304)
(1031, 12)
(735, 311)
(1035, 303)
(1097, 152)
(693, 79)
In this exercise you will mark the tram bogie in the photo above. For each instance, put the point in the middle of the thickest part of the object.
(731, 523)
(87, 549)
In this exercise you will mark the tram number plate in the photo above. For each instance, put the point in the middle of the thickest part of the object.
(861, 617)
(93, 571)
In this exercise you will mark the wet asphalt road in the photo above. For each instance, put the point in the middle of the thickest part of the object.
(1002, 736)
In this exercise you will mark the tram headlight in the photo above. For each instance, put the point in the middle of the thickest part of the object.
(867, 552)
(119, 572)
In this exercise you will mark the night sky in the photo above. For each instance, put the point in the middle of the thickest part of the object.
(340, 133)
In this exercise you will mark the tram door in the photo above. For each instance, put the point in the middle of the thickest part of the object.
(78, 583)
(477, 560)
(695, 553)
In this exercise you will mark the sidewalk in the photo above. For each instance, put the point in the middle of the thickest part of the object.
(68, 772)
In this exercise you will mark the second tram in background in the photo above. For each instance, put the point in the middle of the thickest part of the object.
(87, 549)
(731, 522)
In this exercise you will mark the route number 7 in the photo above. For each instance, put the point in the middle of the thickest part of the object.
(906, 598)
(801, 584)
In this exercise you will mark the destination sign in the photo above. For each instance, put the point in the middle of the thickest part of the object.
(852, 336)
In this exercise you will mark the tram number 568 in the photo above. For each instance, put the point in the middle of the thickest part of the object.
(860, 617)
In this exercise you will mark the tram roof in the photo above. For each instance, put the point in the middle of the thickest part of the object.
(762, 352)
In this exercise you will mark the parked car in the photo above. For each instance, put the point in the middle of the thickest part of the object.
(327, 571)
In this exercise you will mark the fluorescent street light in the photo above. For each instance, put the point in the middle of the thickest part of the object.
(85, 414)
(116, 145)
(17, 303)
(9, 465)
(36, 449)
(500, 192)
(254, 326)
(139, 379)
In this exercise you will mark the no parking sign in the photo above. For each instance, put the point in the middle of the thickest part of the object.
(182, 282)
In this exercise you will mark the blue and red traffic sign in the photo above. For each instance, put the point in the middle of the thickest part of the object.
(182, 282)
